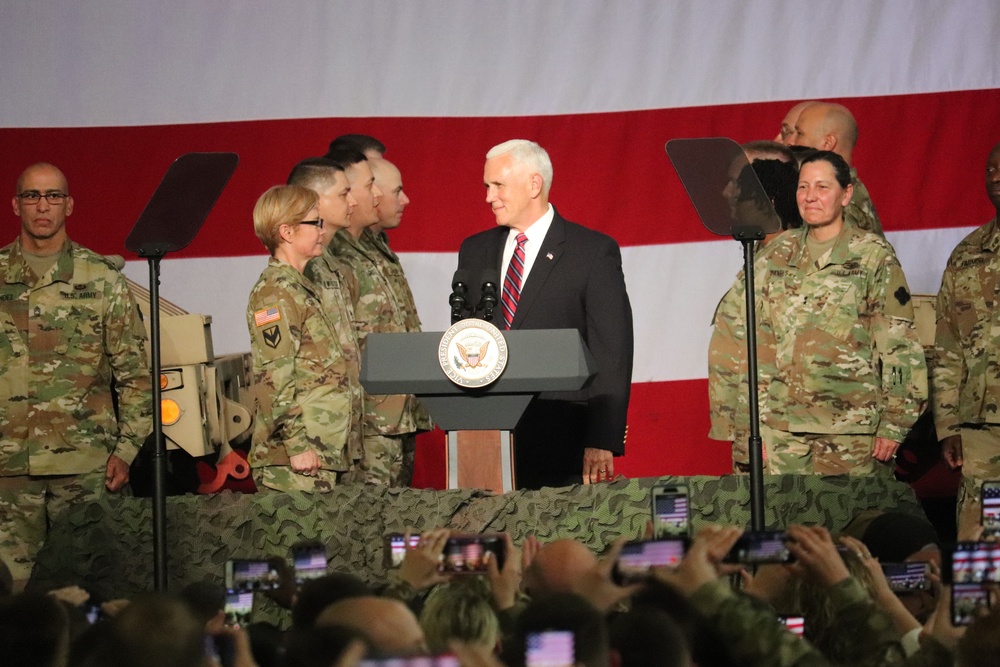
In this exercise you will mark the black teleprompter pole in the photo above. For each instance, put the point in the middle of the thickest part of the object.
(170, 221)
(749, 236)
(731, 201)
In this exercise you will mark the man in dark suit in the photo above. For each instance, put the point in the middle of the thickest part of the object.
(570, 278)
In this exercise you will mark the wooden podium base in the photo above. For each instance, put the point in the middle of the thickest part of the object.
(480, 460)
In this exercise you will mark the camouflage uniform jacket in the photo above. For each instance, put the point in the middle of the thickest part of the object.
(338, 293)
(304, 392)
(392, 269)
(842, 354)
(861, 211)
(753, 636)
(384, 305)
(728, 392)
(64, 336)
(966, 378)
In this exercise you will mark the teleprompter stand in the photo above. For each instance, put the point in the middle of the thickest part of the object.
(478, 421)
(169, 222)
(731, 202)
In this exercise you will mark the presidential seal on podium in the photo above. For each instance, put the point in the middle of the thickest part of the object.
(472, 353)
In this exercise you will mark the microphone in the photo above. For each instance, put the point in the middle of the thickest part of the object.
(459, 288)
(489, 300)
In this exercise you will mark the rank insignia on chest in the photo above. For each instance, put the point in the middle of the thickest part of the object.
(266, 316)
(272, 336)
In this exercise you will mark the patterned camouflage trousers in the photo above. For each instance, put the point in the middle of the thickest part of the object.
(981, 456)
(283, 478)
(741, 453)
(388, 460)
(29, 504)
(821, 454)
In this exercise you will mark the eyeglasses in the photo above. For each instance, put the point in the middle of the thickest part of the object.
(318, 222)
(33, 197)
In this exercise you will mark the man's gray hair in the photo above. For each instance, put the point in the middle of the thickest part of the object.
(528, 154)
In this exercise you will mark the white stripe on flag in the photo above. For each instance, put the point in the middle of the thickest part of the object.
(673, 289)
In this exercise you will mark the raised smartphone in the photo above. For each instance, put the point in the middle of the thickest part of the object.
(554, 648)
(907, 577)
(309, 562)
(638, 558)
(769, 546)
(239, 604)
(466, 554)
(251, 575)
(991, 508)
(795, 624)
(395, 548)
(670, 510)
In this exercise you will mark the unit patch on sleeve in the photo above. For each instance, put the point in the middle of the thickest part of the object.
(272, 336)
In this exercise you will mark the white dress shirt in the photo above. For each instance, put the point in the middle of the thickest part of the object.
(536, 234)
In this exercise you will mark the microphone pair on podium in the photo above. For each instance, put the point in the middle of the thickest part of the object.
(461, 308)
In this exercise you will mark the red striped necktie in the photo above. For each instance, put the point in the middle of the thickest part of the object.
(512, 281)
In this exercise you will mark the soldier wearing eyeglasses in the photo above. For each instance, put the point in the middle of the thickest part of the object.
(71, 342)
(308, 420)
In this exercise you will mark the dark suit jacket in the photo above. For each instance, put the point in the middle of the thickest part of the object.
(576, 282)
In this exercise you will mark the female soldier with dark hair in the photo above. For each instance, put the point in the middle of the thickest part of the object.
(842, 369)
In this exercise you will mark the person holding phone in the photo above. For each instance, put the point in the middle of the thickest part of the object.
(842, 369)
(305, 415)
(755, 636)
(966, 373)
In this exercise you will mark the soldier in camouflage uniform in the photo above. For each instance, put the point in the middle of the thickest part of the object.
(728, 392)
(70, 329)
(831, 127)
(305, 399)
(863, 633)
(966, 376)
(385, 305)
(334, 277)
(844, 371)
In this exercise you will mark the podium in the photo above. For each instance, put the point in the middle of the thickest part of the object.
(478, 421)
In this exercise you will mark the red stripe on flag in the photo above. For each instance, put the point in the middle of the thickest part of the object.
(611, 173)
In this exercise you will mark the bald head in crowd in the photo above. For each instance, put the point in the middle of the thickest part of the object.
(788, 123)
(826, 127)
(389, 625)
(557, 566)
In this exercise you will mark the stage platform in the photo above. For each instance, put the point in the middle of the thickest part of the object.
(107, 546)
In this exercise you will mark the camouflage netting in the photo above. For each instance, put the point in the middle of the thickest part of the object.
(107, 546)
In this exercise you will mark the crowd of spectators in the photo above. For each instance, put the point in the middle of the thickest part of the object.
(704, 611)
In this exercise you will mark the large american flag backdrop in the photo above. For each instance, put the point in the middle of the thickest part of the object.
(112, 92)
